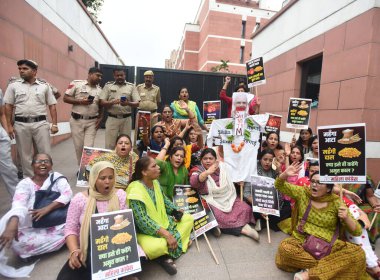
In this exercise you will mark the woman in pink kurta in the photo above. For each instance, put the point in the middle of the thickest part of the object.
(213, 183)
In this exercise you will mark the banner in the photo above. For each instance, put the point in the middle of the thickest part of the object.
(188, 200)
(342, 156)
(140, 126)
(273, 123)
(255, 72)
(88, 155)
(114, 252)
(211, 111)
(264, 196)
(298, 113)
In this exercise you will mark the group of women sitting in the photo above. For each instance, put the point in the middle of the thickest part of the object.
(311, 212)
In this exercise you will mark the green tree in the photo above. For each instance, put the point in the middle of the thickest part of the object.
(93, 6)
(223, 67)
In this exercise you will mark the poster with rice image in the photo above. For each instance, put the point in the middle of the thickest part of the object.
(211, 111)
(255, 72)
(298, 113)
(88, 154)
(264, 196)
(342, 157)
(114, 251)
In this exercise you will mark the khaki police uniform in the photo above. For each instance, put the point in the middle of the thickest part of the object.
(31, 125)
(83, 117)
(149, 99)
(119, 119)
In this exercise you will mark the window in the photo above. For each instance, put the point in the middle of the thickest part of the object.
(241, 54)
(243, 25)
(311, 79)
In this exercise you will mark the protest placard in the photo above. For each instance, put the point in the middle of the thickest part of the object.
(88, 154)
(211, 111)
(255, 72)
(342, 157)
(188, 200)
(204, 223)
(139, 126)
(273, 123)
(298, 113)
(264, 196)
(114, 252)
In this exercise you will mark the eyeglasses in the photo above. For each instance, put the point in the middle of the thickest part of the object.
(39, 161)
(316, 182)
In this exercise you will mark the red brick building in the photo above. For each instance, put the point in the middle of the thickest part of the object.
(222, 31)
(328, 51)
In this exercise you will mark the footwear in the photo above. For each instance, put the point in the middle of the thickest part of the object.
(299, 275)
(258, 225)
(250, 232)
(167, 264)
(216, 232)
(373, 272)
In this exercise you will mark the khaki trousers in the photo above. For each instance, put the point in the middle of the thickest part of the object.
(83, 133)
(115, 127)
(26, 134)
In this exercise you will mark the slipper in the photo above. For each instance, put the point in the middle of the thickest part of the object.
(168, 265)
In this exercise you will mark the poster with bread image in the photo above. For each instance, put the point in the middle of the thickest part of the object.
(188, 200)
(342, 157)
(298, 113)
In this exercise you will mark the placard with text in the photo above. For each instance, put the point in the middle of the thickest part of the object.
(264, 196)
(211, 111)
(255, 72)
(299, 113)
(342, 157)
(188, 200)
(273, 123)
(139, 127)
(114, 252)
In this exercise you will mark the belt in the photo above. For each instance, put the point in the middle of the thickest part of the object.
(81, 117)
(30, 119)
(119, 116)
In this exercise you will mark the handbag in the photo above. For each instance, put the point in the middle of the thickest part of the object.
(46, 197)
(315, 246)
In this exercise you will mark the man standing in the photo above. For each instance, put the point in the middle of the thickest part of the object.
(8, 171)
(86, 113)
(118, 97)
(28, 97)
(149, 94)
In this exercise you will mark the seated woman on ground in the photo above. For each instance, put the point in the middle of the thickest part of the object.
(19, 234)
(327, 214)
(155, 142)
(162, 230)
(304, 140)
(213, 182)
(172, 169)
(101, 197)
(123, 159)
(180, 113)
(314, 148)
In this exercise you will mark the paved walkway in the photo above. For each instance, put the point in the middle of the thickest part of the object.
(239, 257)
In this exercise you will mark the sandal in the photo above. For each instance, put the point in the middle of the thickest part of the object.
(168, 265)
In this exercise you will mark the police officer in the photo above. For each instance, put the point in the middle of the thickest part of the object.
(8, 171)
(149, 94)
(118, 97)
(86, 113)
(28, 97)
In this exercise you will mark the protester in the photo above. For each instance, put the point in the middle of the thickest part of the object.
(295, 155)
(173, 169)
(345, 261)
(272, 141)
(19, 234)
(181, 113)
(313, 153)
(123, 158)
(156, 140)
(213, 182)
(194, 145)
(101, 197)
(163, 230)
(304, 140)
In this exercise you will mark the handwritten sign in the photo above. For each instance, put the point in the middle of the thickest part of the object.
(255, 72)
(298, 113)
(342, 156)
(114, 250)
(264, 196)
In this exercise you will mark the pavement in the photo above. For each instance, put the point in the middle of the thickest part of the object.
(239, 257)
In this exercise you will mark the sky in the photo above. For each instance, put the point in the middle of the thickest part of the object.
(144, 33)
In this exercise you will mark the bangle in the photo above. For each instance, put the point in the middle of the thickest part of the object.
(73, 251)
(54, 125)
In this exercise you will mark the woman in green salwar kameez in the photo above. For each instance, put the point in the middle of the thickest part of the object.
(173, 169)
(159, 233)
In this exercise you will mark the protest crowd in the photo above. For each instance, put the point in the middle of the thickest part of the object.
(168, 176)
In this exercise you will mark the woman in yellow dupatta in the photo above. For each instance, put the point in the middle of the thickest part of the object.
(346, 260)
(162, 231)
(181, 107)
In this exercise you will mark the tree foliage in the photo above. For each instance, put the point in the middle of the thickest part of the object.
(93, 6)
(222, 67)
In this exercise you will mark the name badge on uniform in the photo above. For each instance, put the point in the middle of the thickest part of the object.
(83, 88)
(142, 94)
